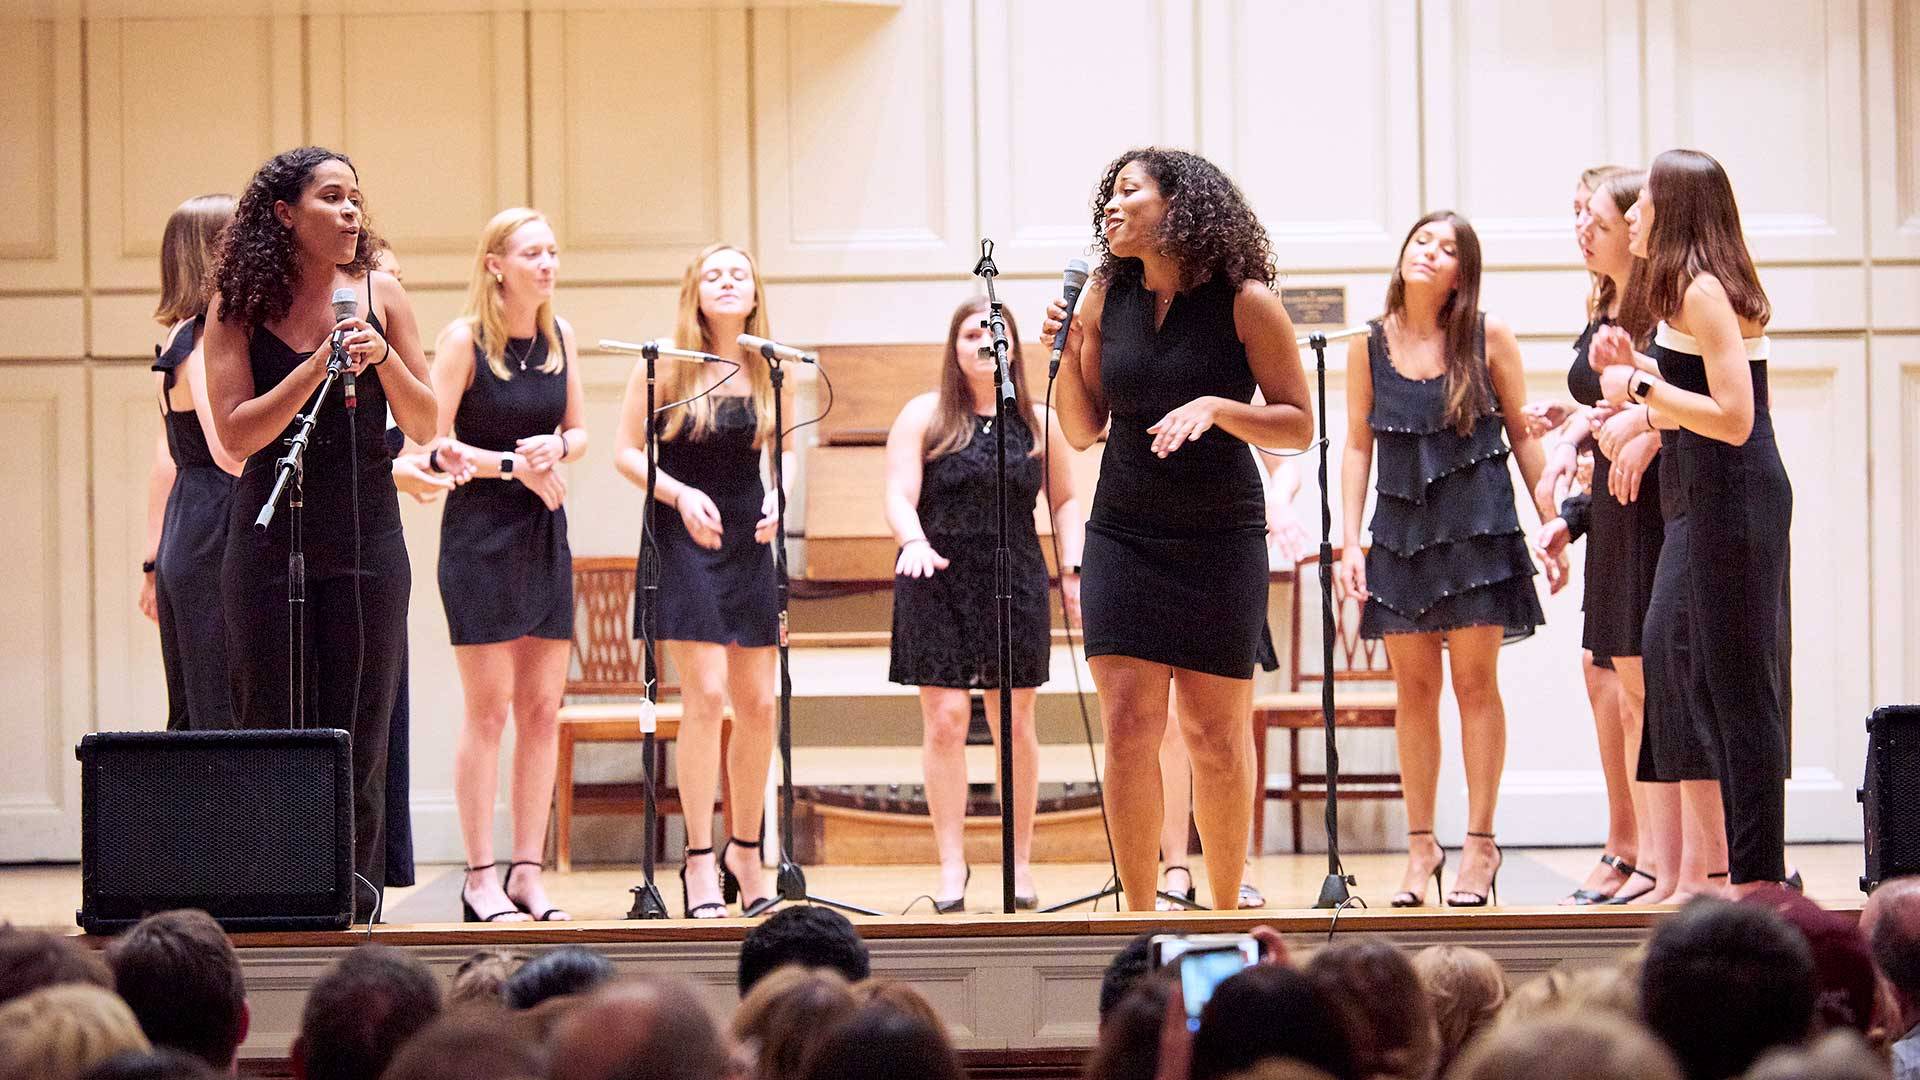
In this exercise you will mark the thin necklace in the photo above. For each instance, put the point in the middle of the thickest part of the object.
(528, 351)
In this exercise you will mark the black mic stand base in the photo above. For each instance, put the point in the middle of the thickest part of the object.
(1334, 891)
(646, 901)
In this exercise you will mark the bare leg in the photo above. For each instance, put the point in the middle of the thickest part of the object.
(750, 682)
(1416, 729)
(1473, 657)
(944, 714)
(1215, 720)
(1133, 710)
(1623, 839)
(539, 679)
(486, 686)
(1176, 786)
(1026, 779)
(703, 695)
(1656, 806)
(1704, 841)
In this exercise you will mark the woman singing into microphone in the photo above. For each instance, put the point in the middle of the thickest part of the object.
(718, 610)
(1178, 329)
(941, 476)
(299, 235)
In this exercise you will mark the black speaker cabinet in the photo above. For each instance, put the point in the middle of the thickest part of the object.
(1890, 801)
(254, 827)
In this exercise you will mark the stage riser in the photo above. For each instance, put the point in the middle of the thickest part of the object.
(997, 993)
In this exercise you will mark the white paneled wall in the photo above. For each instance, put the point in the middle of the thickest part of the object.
(861, 151)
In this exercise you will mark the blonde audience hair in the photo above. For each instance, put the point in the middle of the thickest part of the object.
(788, 1014)
(1607, 988)
(679, 381)
(186, 251)
(1587, 1046)
(1467, 989)
(1840, 1054)
(59, 1032)
(486, 310)
(482, 978)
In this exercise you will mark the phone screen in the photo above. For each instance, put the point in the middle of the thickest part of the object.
(1204, 964)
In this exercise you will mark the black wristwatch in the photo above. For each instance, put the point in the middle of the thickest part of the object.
(1641, 388)
(506, 466)
(146, 566)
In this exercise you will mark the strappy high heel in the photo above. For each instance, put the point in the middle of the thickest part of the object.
(1474, 899)
(507, 887)
(699, 911)
(468, 914)
(1624, 897)
(1187, 899)
(1403, 898)
(1582, 897)
(730, 884)
(959, 903)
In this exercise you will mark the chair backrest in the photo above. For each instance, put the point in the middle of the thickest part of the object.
(1355, 659)
(605, 658)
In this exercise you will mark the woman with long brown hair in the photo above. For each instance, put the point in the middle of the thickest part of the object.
(1434, 386)
(941, 473)
(511, 403)
(192, 481)
(710, 552)
(1704, 380)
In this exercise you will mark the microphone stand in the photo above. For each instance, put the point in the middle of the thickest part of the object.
(289, 471)
(647, 903)
(996, 324)
(791, 883)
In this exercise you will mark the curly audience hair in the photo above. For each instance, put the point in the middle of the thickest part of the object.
(257, 261)
(1209, 229)
(805, 934)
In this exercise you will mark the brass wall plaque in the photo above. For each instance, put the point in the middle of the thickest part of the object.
(1315, 305)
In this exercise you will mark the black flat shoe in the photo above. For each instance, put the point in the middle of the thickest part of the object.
(544, 916)
(1403, 898)
(1473, 899)
(468, 914)
(730, 884)
(712, 909)
(1612, 862)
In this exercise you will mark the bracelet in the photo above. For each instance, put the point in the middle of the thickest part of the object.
(433, 460)
(1650, 426)
(564, 448)
(383, 355)
(146, 566)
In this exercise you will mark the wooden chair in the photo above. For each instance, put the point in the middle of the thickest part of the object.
(604, 669)
(1358, 663)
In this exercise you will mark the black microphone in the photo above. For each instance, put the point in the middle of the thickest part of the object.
(1071, 282)
(345, 303)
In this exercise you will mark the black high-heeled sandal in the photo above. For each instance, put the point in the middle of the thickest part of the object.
(1187, 899)
(730, 884)
(1582, 897)
(958, 904)
(718, 909)
(468, 914)
(1627, 897)
(1404, 898)
(507, 887)
(1493, 882)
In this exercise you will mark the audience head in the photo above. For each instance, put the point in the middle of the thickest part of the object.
(1281, 1069)
(1466, 988)
(1388, 1017)
(899, 995)
(647, 1027)
(179, 974)
(58, 1032)
(482, 978)
(1129, 1043)
(1891, 921)
(470, 1045)
(160, 1063)
(1840, 1054)
(360, 1011)
(570, 969)
(788, 1014)
(807, 934)
(1844, 977)
(31, 959)
(1598, 1045)
(1610, 988)
(1723, 983)
(1268, 1011)
(880, 1042)
(1123, 971)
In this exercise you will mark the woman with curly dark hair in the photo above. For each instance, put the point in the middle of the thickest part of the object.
(299, 234)
(1178, 330)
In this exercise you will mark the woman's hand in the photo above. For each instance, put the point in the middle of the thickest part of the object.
(1544, 416)
(1630, 466)
(1615, 380)
(452, 458)
(1562, 462)
(700, 516)
(363, 344)
(149, 597)
(411, 475)
(548, 484)
(1183, 425)
(918, 559)
(766, 528)
(1050, 326)
(542, 452)
(1621, 428)
(1350, 576)
(1611, 347)
(1550, 547)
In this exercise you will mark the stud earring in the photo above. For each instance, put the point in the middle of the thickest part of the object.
(499, 279)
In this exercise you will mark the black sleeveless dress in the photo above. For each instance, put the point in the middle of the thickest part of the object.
(944, 626)
(193, 541)
(726, 597)
(1728, 596)
(506, 571)
(1447, 549)
(355, 630)
(1175, 566)
(1623, 539)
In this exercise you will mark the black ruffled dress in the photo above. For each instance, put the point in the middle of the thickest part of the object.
(1448, 552)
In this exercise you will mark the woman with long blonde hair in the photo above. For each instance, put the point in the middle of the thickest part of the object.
(511, 407)
(710, 554)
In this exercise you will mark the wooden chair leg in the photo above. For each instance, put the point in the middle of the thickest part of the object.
(1293, 783)
(1259, 783)
(563, 802)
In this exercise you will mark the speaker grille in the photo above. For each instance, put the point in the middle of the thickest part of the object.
(1891, 799)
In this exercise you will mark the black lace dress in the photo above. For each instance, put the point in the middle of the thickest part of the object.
(944, 631)
(1447, 549)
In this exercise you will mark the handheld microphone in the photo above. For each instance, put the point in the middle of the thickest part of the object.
(1071, 282)
(659, 347)
(773, 350)
(345, 303)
